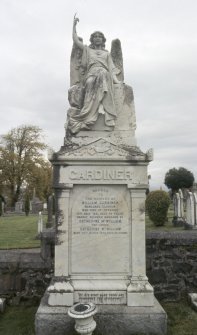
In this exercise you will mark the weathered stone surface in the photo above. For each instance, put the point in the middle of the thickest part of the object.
(157, 276)
(175, 256)
(100, 214)
(110, 319)
(24, 276)
(182, 267)
(193, 300)
(100, 244)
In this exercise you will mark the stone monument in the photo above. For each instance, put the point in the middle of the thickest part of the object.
(178, 219)
(100, 179)
(191, 211)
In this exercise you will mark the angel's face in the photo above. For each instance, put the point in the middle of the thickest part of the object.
(97, 39)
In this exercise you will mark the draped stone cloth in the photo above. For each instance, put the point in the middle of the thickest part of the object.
(98, 95)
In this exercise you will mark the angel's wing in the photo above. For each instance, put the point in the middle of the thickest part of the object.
(116, 54)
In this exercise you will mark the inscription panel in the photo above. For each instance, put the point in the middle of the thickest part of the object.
(100, 229)
(102, 297)
(103, 175)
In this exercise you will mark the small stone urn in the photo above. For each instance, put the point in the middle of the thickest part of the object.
(83, 315)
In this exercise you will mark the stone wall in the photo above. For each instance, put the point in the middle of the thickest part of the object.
(24, 275)
(171, 268)
(172, 263)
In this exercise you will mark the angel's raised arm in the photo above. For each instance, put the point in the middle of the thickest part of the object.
(75, 37)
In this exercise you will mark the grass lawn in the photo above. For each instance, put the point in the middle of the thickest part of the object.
(18, 232)
(168, 225)
(182, 320)
(18, 321)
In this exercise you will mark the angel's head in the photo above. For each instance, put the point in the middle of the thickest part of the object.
(97, 39)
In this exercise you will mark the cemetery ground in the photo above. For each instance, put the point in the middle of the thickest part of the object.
(182, 320)
(20, 231)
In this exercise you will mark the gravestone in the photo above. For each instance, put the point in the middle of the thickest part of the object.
(195, 208)
(36, 205)
(191, 211)
(40, 223)
(100, 180)
(181, 204)
(178, 219)
(19, 206)
(176, 199)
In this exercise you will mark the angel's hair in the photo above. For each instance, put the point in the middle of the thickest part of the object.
(92, 46)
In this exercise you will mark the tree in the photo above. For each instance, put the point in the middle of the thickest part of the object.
(41, 180)
(1, 206)
(20, 156)
(27, 204)
(157, 204)
(178, 178)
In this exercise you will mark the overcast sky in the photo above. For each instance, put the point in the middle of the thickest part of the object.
(159, 42)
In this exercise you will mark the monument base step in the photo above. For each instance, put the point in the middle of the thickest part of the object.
(110, 319)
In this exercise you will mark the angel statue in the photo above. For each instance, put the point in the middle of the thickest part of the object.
(93, 75)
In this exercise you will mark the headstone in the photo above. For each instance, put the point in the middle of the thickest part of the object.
(181, 204)
(178, 219)
(190, 211)
(19, 206)
(36, 205)
(100, 180)
(194, 187)
(3, 208)
(176, 203)
(40, 223)
(195, 209)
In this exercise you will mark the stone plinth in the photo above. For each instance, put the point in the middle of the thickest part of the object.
(100, 240)
(100, 244)
(110, 319)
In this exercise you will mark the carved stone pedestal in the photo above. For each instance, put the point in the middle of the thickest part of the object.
(110, 319)
(100, 239)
